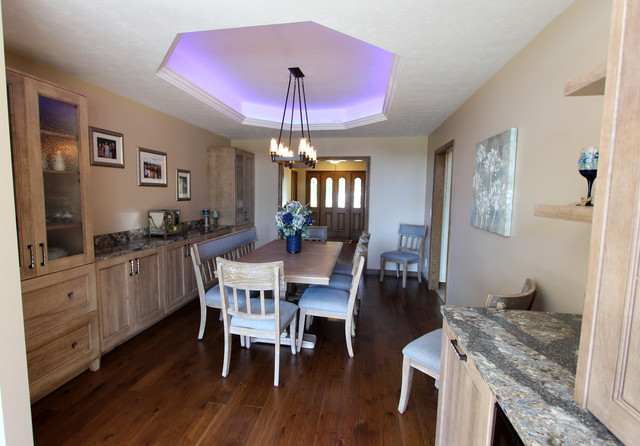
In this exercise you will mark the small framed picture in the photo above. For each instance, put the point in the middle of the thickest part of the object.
(152, 168)
(106, 148)
(183, 185)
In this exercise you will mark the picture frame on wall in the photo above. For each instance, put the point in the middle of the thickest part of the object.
(107, 148)
(152, 168)
(183, 185)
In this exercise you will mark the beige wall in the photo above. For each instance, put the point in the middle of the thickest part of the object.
(120, 204)
(527, 93)
(397, 189)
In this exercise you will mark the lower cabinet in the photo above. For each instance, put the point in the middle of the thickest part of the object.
(466, 405)
(131, 295)
(180, 278)
(61, 327)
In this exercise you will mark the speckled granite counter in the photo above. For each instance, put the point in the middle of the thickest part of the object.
(528, 359)
(121, 243)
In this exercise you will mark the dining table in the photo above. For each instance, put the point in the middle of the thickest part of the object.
(313, 265)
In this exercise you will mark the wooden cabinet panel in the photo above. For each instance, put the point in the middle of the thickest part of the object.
(58, 354)
(130, 294)
(466, 405)
(181, 283)
(49, 300)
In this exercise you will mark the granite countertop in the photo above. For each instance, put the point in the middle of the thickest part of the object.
(122, 243)
(528, 359)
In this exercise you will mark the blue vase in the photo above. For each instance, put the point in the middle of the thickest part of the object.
(294, 242)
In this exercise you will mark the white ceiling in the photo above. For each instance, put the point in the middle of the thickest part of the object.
(447, 48)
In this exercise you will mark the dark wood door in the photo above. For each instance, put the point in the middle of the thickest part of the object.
(337, 201)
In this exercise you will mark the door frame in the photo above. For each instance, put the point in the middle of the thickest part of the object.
(366, 159)
(437, 208)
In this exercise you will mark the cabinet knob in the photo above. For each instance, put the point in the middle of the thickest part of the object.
(70, 295)
(74, 345)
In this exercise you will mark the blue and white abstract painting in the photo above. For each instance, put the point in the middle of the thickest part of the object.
(493, 183)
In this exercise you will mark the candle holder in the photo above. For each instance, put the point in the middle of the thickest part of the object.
(588, 168)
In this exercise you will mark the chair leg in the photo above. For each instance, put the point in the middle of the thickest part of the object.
(293, 334)
(301, 328)
(353, 327)
(407, 378)
(276, 371)
(382, 263)
(404, 275)
(347, 335)
(309, 322)
(397, 270)
(419, 271)
(227, 354)
(203, 320)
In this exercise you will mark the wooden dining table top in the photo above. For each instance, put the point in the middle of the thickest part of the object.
(312, 265)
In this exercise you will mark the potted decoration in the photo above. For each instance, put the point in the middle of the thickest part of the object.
(293, 221)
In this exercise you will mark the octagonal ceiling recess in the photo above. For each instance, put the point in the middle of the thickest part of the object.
(243, 73)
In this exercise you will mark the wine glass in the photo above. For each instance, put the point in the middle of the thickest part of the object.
(588, 167)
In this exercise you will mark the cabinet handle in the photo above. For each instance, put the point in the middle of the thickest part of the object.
(131, 263)
(70, 295)
(137, 266)
(454, 344)
(44, 255)
(74, 345)
(32, 257)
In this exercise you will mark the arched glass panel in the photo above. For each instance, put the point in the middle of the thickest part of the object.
(328, 193)
(342, 192)
(357, 193)
(313, 193)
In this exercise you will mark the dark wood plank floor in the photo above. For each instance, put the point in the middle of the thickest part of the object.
(164, 387)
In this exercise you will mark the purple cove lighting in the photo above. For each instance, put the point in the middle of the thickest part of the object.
(246, 68)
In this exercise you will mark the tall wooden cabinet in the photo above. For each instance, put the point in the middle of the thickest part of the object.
(49, 147)
(609, 359)
(231, 186)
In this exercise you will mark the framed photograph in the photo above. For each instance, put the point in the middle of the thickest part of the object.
(183, 185)
(152, 168)
(106, 148)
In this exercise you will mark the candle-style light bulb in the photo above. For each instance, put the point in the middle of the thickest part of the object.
(274, 147)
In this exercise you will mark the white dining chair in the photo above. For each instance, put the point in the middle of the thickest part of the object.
(259, 317)
(331, 303)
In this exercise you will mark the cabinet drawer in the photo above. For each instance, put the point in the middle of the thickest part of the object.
(54, 299)
(53, 355)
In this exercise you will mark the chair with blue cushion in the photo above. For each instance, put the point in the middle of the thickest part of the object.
(346, 267)
(424, 352)
(260, 317)
(410, 243)
(317, 234)
(332, 303)
(203, 257)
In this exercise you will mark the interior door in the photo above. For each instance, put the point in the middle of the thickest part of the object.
(357, 199)
(335, 206)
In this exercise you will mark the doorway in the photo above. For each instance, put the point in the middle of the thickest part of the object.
(440, 219)
(336, 191)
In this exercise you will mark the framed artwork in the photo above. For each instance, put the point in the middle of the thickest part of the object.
(183, 185)
(493, 183)
(152, 168)
(106, 148)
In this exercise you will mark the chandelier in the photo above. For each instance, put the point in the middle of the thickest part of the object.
(282, 153)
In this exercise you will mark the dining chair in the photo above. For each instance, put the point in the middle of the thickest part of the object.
(331, 303)
(260, 317)
(424, 352)
(317, 234)
(203, 257)
(410, 243)
(346, 267)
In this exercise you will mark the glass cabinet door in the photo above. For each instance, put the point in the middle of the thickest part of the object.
(248, 187)
(59, 146)
(240, 198)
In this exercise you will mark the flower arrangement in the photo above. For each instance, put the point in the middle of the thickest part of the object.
(293, 218)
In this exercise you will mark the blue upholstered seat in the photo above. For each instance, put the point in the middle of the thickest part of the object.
(323, 298)
(409, 250)
(426, 349)
(213, 297)
(338, 281)
(401, 256)
(287, 310)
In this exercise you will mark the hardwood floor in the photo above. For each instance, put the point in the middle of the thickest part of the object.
(164, 387)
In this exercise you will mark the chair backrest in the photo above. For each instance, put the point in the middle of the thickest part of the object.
(411, 237)
(521, 301)
(317, 233)
(360, 251)
(236, 277)
(230, 246)
(355, 283)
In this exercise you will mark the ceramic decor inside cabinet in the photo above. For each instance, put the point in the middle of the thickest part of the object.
(49, 148)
